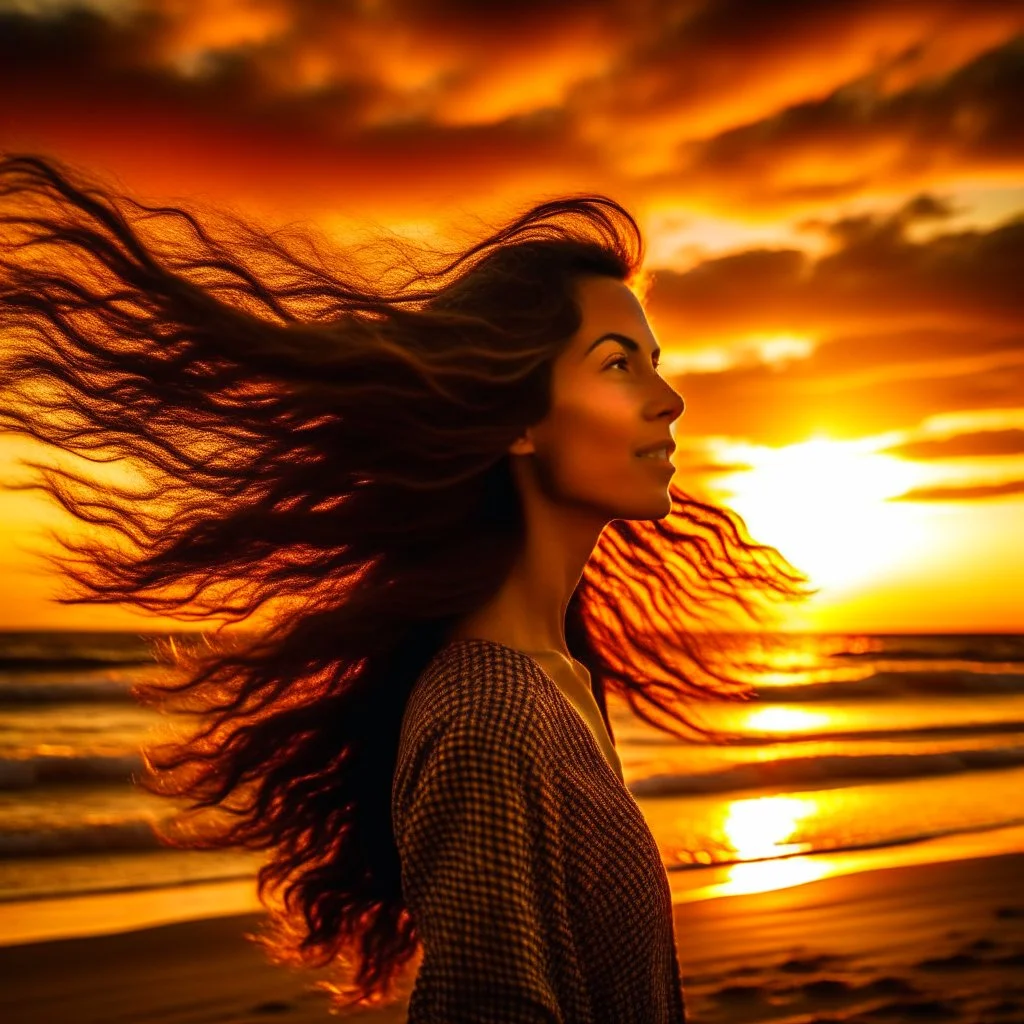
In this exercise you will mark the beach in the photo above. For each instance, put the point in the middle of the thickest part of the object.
(857, 856)
(933, 941)
(940, 941)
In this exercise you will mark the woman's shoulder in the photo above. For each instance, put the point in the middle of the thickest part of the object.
(477, 680)
(479, 688)
(477, 701)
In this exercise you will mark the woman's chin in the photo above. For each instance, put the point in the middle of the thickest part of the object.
(656, 508)
(664, 507)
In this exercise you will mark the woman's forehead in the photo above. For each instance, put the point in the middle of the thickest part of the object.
(607, 305)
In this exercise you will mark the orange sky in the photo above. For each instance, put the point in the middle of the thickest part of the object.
(832, 196)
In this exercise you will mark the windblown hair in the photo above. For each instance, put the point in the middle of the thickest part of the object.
(316, 436)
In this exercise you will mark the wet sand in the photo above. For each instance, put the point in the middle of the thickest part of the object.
(939, 941)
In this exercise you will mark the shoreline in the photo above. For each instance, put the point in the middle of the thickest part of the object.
(112, 912)
(941, 940)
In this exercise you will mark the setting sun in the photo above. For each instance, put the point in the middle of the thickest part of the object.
(828, 504)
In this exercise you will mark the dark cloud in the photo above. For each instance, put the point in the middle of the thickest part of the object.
(875, 278)
(860, 138)
(472, 17)
(971, 492)
(54, 59)
(778, 407)
(927, 207)
(73, 87)
(922, 208)
(983, 442)
(722, 102)
(697, 60)
(896, 354)
(904, 329)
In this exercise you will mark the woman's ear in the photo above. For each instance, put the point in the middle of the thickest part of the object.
(522, 445)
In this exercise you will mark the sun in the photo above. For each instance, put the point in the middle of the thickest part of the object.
(826, 505)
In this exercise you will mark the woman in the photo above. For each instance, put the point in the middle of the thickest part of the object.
(442, 481)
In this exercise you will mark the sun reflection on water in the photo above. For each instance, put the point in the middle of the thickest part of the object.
(774, 719)
(766, 876)
(758, 829)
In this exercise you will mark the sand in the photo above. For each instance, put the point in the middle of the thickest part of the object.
(940, 941)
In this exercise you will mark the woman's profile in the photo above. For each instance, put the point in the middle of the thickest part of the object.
(440, 481)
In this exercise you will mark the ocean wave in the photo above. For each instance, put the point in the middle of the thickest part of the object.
(64, 662)
(42, 769)
(137, 836)
(825, 770)
(14, 690)
(681, 860)
(91, 837)
(899, 732)
(887, 684)
(941, 647)
(114, 885)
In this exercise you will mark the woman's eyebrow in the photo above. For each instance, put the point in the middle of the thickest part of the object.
(623, 339)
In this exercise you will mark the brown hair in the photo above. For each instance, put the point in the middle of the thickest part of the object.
(321, 437)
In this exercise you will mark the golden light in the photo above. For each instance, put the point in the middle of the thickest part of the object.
(755, 350)
(759, 828)
(783, 720)
(682, 237)
(824, 503)
(767, 876)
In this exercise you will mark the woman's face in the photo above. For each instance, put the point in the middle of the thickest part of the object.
(607, 402)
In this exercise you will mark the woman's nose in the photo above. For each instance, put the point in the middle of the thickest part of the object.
(673, 402)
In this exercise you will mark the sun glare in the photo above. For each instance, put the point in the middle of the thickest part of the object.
(753, 837)
(761, 827)
(774, 719)
(824, 504)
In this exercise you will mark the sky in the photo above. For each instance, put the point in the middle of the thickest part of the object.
(831, 193)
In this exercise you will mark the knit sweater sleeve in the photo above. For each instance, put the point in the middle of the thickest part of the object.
(476, 831)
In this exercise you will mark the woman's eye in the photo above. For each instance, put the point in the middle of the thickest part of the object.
(624, 361)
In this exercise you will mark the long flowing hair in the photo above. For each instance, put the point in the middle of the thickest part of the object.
(314, 436)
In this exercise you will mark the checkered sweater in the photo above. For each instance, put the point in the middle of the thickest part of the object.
(529, 870)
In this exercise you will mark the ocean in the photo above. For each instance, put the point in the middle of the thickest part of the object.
(856, 746)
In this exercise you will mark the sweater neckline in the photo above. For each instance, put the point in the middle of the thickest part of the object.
(512, 650)
(554, 686)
